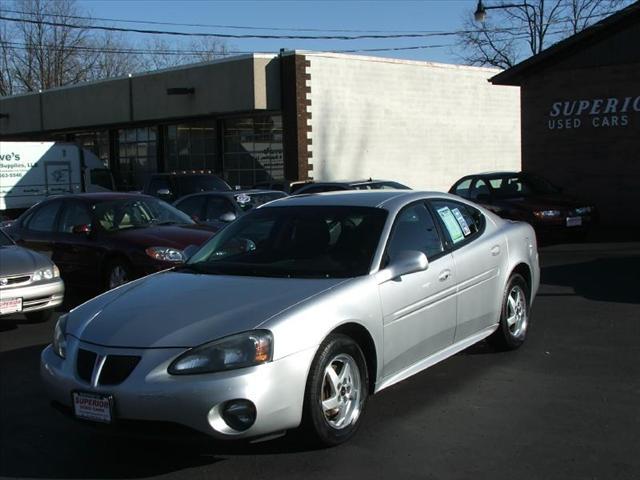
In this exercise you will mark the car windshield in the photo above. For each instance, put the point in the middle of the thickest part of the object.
(5, 241)
(295, 242)
(521, 186)
(200, 183)
(137, 213)
(247, 201)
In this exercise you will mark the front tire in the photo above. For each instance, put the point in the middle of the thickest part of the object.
(514, 318)
(39, 316)
(118, 272)
(336, 393)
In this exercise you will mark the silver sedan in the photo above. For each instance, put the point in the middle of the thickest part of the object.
(30, 283)
(296, 313)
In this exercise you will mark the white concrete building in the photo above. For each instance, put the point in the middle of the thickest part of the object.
(299, 115)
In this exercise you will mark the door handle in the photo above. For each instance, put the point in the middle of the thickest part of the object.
(495, 250)
(444, 275)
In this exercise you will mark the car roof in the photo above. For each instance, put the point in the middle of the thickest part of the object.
(230, 193)
(356, 198)
(102, 196)
(184, 174)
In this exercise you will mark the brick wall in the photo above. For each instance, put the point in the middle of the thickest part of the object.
(422, 124)
(591, 148)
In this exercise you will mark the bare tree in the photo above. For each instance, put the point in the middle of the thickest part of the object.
(44, 55)
(51, 43)
(163, 54)
(520, 30)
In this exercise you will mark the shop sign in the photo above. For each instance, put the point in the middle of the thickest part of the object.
(605, 112)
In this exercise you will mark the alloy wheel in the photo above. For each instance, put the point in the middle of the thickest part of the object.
(341, 391)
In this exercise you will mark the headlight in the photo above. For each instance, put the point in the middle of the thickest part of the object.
(547, 213)
(237, 351)
(166, 254)
(45, 274)
(59, 339)
(584, 210)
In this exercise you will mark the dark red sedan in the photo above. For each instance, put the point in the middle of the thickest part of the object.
(102, 240)
(530, 198)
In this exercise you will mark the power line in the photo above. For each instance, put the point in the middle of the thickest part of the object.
(247, 36)
(195, 53)
(208, 25)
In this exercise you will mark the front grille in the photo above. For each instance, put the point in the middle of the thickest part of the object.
(86, 362)
(13, 281)
(117, 368)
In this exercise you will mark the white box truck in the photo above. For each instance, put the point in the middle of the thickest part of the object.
(31, 171)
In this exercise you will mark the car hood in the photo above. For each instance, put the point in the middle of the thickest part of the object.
(176, 236)
(176, 309)
(16, 260)
(544, 202)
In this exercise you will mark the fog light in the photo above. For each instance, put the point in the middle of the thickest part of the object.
(239, 414)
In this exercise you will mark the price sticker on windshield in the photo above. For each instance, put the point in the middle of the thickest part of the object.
(452, 225)
(461, 221)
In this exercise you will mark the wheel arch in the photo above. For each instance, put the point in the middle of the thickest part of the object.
(524, 270)
(363, 338)
(111, 257)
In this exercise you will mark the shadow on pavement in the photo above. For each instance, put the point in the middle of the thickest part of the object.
(613, 279)
(38, 441)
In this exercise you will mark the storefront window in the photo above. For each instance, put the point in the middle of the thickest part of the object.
(253, 150)
(191, 146)
(137, 157)
(96, 142)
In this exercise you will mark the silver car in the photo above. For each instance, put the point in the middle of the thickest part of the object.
(296, 313)
(30, 283)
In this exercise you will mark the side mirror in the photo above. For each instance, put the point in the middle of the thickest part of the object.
(189, 251)
(406, 262)
(228, 217)
(84, 229)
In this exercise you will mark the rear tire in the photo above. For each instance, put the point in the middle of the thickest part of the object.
(336, 393)
(514, 317)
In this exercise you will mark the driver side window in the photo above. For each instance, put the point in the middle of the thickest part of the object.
(74, 213)
(415, 229)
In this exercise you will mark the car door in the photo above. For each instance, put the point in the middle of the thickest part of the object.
(193, 206)
(478, 254)
(77, 251)
(37, 231)
(419, 309)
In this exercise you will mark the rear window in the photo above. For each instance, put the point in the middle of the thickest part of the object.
(200, 183)
(248, 201)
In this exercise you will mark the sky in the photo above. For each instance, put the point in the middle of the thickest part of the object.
(386, 16)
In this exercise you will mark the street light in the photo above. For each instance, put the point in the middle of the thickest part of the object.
(481, 12)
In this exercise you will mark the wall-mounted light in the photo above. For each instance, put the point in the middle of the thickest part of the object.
(181, 91)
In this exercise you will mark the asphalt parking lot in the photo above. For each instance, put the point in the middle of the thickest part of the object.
(564, 406)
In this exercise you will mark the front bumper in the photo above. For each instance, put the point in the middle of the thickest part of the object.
(39, 296)
(150, 393)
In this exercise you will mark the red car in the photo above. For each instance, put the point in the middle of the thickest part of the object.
(530, 198)
(102, 240)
